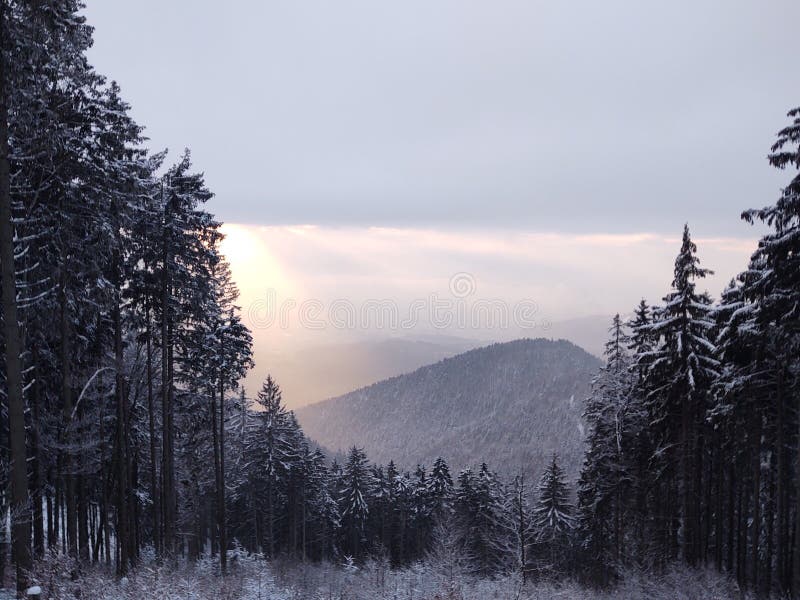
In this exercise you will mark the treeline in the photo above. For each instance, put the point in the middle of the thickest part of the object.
(120, 330)
(288, 501)
(693, 443)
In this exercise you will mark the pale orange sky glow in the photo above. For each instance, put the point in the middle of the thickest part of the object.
(297, 271)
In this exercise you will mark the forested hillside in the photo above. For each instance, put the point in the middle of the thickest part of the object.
(511, 405)
(343, 367)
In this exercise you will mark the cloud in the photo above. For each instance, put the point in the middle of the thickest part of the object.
(566, 275)
(614, 116)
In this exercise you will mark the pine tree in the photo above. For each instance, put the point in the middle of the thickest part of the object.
(478, 506)
(553, 518)
(402, 508)
(640, 444)
(271, 451)
(20, 522)
(356, 491)
(223, 349)
(380, 511)
(738, 419)
(679, 374)
(321, 514)
(517, 530)
(421, 511)
(641, 339)
(440, 490)
(144, 296)
(615, 420)
(771, 288)
(187, 235)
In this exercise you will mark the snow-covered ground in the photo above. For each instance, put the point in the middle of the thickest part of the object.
(254, 579)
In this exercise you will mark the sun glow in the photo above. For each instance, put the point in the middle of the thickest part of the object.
(254, 266)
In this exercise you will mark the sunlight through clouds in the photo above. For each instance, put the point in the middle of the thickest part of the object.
(567, 275)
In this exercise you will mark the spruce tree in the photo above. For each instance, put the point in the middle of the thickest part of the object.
(771, 288)
(20, 523)
(517, 531)
(440, 489)
(356, 491)
(614, 420)
(271, 451)
(640, 440)
(679, 373)
(478, 507)
(553, 516)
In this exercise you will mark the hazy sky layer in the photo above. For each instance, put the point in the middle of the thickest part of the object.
(309, 286)
(612, 117)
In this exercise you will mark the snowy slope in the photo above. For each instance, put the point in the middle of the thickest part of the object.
(315, 373)
(509, 404)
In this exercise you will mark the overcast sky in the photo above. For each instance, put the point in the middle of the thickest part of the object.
(570, 116)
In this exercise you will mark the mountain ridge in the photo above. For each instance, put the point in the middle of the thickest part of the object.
(509, 404)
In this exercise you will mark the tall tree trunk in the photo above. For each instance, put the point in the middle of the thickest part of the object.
(152, 430)
(698, 454)
(52, 527)
(20, 504)
(796, 553)
(258, 544)
(83, 516)
(106, 524)
(223, 527)
(688, 479)
(770, 520)
(36, 466)
(123, 480)
(270, 517)
(135, 517)
(719, 477)
(303, 541)
(731, 513)
(92, 531)
(171, 499)
(70, 518)
(219, 510)
(167, 458)
(63, 519)
(57, 493)
(756, 499)
(685, 479)
(741, 567)
(781, 492)
(81, 502)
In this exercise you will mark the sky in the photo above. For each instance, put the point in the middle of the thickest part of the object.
(545, 152)
(620, 116)
(321, 278)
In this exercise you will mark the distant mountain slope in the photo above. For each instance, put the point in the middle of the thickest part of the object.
(318, 372)
(509, 404)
